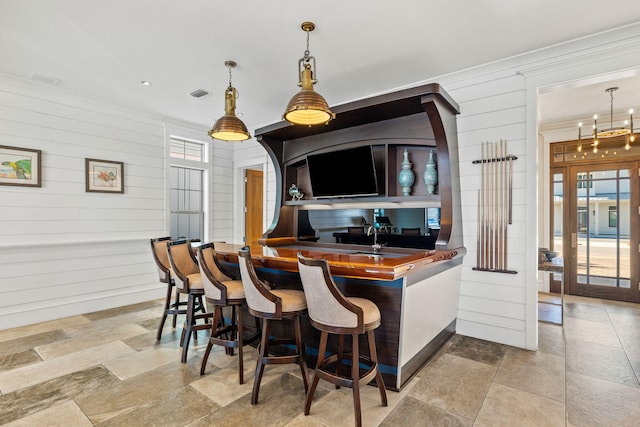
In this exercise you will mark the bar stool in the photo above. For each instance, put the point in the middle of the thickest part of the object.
(268, 305)
(159, 251)
(333, 313)
(222, 291)
(188, 281)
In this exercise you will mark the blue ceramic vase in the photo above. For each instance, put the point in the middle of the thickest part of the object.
(431, 174)
(406, 178)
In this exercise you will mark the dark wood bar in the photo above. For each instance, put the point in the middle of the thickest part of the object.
(395, 280)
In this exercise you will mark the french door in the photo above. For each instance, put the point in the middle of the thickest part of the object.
(601, 230)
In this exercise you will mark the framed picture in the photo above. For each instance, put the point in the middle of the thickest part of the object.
(104, 176)
(20, 166)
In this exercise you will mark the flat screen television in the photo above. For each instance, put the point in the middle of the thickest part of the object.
(343, 173)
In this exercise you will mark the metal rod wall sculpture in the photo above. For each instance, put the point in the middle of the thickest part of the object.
(495, 207)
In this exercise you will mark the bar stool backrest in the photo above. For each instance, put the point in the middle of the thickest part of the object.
(256, 292)
(326, 304)
(183, 263)
(212, 276)
(159, 252)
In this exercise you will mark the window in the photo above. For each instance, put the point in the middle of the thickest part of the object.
(188, 150)
(186, 189)
(613, 217)
(584, 182)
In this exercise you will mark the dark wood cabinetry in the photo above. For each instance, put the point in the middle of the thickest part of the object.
(418, 120)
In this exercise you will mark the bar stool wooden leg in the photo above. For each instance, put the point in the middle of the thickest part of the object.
(322, 348)
(355, 376)
(340, 357)
(299, 345)
(239, 330)
(217, 313)
(374, 359)
(263, 352)
(176, 305)
(186, 332)
(167, 305)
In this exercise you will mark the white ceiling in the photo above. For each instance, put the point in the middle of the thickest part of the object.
(106, 48)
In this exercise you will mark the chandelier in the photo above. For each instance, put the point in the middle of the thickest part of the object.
(625, 130)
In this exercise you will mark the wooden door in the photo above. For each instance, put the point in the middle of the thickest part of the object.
(253, 223)
(603, 222)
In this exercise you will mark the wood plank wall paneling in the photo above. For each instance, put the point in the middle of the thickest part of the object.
(493, 105)
(64, 251)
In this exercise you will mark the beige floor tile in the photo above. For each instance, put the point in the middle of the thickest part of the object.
(30, 341)
(534, 372)
(303, 420)
(280, 401)
(37, 328)
(551, 339)
(43, 371)
(155, 306)
(63, 415)
(104, 403)
(141, 362)
(600, 361)
(506, 406)
(475, 349)
(179, 407)
(593, 312)
(455, 384)
(336, 408)
(588, 330)
(148, 340)
(413, 412)
(96, 335)
(15, 360)
(38, 397)
(222, 385)
(596, 402)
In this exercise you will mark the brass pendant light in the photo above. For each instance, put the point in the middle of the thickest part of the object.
(308, 107)
(229, 127)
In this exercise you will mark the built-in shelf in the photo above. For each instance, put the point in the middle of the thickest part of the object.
(370, 202)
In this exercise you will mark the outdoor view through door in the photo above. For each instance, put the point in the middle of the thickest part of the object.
(600, 242)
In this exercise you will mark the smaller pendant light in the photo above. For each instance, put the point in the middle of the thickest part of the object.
(229, 127)
(308, 107)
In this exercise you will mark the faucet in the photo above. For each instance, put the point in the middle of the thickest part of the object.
(376, 246)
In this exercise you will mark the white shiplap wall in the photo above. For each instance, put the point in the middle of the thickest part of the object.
(499, 101)
(64, 251)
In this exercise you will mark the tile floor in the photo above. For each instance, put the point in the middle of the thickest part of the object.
(107, 369)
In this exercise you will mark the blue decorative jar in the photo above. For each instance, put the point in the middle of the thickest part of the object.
(431, 174)
(406, 178)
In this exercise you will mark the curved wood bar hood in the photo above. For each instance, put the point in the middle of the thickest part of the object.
(419, 118)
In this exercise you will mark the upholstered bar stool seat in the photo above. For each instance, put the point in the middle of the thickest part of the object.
(188, 281)
(333, 313)
(272, 304)
(221, 291)
(291, 300)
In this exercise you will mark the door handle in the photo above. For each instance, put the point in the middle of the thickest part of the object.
(574, 240)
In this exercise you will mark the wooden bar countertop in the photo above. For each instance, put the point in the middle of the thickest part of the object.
(355, 261)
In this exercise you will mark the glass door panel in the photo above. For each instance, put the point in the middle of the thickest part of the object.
(602, 239)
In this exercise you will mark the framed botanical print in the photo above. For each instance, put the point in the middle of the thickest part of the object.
(20, 166)
(104, 176)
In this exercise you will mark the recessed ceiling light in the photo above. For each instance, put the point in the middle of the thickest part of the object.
(145, 83)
